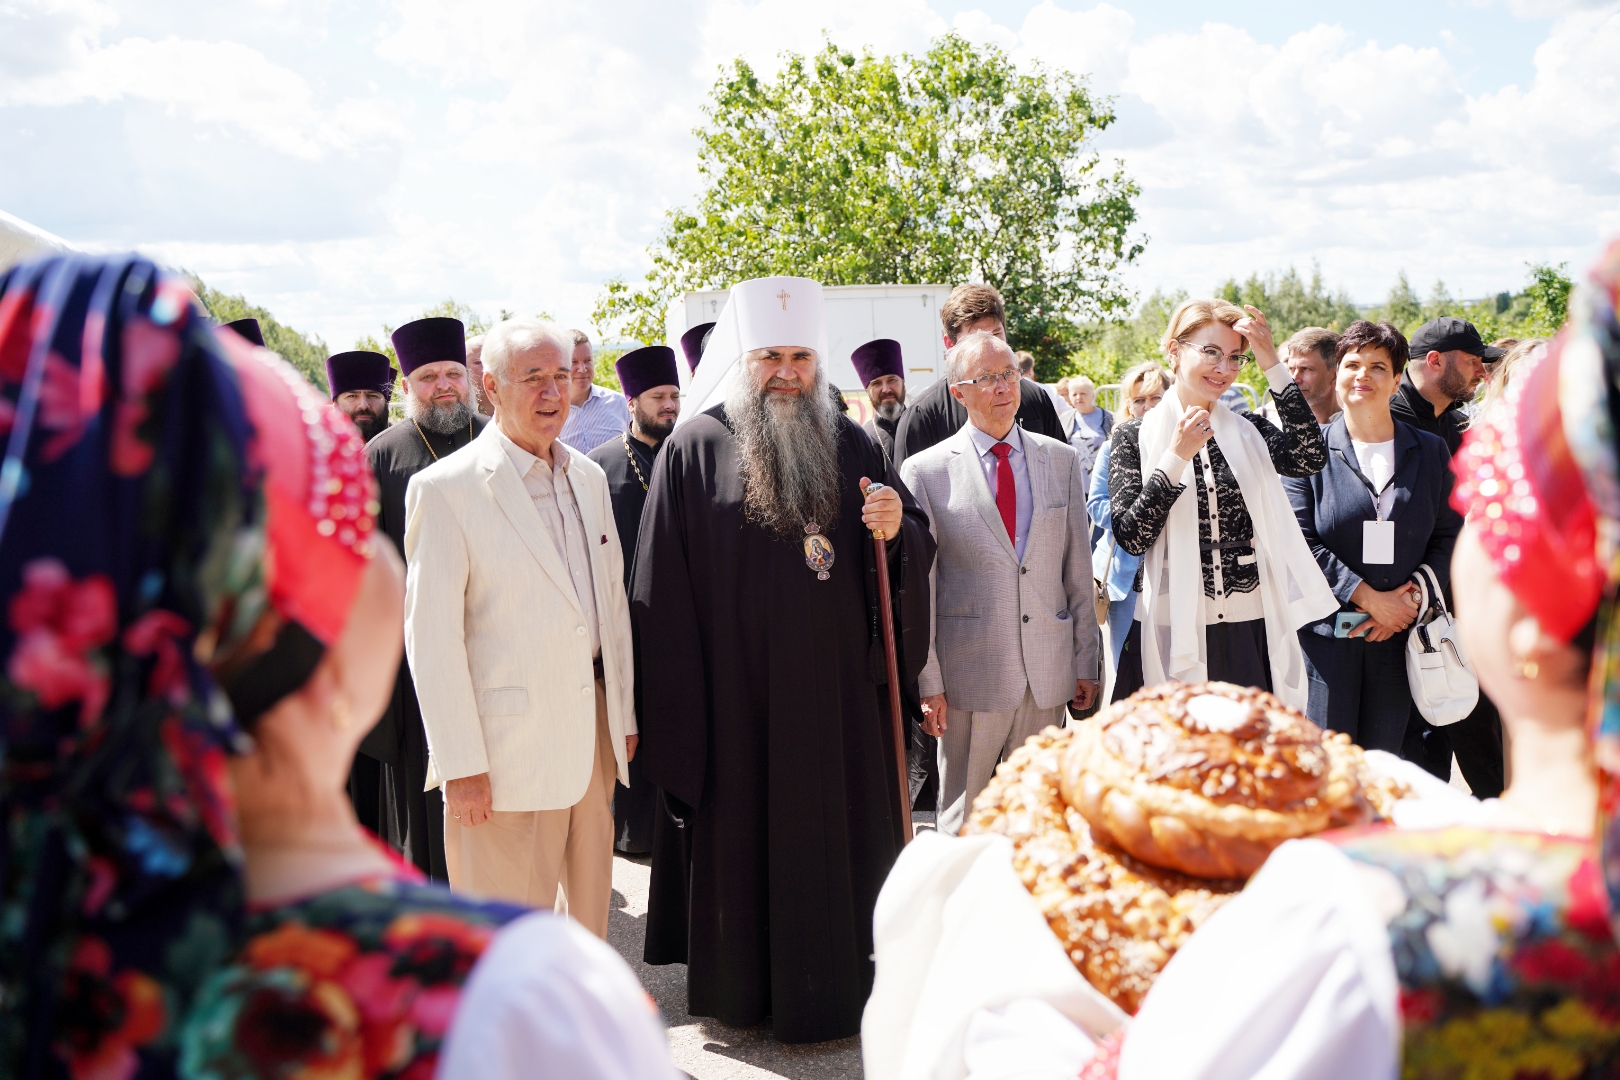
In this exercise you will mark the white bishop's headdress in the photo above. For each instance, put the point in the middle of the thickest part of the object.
(759, 314)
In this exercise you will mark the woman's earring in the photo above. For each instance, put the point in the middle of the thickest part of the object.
(1529, 669)
(342, 719)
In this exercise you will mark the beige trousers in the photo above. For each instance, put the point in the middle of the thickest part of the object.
(560, 859)
(973, 745)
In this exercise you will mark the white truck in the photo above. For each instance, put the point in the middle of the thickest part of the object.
(856, 314)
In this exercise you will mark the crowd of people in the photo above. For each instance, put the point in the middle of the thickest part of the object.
(283, 797)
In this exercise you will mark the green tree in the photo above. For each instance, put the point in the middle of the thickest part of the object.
(1548, 293)
(1111, 348)
(947, 167)
(1402, 307)
(307, 354)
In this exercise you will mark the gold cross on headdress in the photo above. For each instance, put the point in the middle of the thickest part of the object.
(783, 296)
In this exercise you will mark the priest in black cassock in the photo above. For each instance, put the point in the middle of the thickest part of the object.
(361, 383)
(651, 386)
(882, 370)
(439, 420)
(763, 710)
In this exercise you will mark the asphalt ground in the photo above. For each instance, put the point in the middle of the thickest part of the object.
(705, 1048)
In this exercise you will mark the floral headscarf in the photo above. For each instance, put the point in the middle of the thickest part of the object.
(1540, 473)
(132, 543)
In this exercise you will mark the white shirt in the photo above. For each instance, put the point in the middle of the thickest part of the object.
(553, 497)
(549, 1001)
(1024, 501)
(1377, 461)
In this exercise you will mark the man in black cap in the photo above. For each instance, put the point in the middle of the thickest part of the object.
(248, 329)
(1447, 365)
(652, 389)
(882, 371)
(362, 383)
(692, 343)
(439, 420)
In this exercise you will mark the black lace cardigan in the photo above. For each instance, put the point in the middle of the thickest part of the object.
(1140, 510)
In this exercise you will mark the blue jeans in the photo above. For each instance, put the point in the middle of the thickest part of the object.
(1121, 613)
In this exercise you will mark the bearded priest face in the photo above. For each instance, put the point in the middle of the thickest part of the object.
(784, 424)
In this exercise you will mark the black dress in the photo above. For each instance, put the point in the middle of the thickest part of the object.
(628, 463)
(1236, 651)
(413, 819)
(764, 722)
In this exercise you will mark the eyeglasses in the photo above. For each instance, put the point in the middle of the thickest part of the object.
(990, 382)
(1215, 356)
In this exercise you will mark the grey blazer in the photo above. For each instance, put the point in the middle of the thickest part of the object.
(1000, 626)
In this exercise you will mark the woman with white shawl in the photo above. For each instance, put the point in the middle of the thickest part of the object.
(1227, 578)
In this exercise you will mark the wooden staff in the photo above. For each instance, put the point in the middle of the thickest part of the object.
(896, 717)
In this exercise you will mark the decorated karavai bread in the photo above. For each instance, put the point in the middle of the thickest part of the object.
(1265, 774)
(1209, 778)
(1118, 919)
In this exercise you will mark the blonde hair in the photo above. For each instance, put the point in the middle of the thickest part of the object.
(1191, 314)
(1496, 385)
(1134, 383)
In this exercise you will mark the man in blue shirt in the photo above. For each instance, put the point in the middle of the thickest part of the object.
(595, 413)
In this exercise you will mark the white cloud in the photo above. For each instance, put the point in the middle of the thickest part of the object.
(350, 164)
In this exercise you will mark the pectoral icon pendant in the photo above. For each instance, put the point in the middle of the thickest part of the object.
(818, 551)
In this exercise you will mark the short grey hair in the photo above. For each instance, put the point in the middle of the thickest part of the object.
(1081, 380)
(517, 335)
(970, 346)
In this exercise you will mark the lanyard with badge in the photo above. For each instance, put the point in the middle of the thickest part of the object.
(1377, 536)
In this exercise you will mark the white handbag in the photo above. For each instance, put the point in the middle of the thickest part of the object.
(1443, 682)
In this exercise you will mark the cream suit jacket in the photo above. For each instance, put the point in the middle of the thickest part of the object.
(498, 647)
(1000, 624)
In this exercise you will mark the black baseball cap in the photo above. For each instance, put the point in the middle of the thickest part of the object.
(1448, 334)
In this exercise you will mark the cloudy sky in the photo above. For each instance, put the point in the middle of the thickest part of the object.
(349, 162)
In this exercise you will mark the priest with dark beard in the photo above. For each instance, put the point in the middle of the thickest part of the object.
(763, 710)
(439, 420)
(361, 383)
(882, 370)
(651, 386)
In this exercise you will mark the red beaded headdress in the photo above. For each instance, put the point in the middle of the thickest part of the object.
(319, 491)
(1520, 482)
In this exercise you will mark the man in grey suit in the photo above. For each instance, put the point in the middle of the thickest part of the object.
(1015, 631)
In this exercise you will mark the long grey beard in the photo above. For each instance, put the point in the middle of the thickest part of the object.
(443, 419)
(788, 448)
(890, 409)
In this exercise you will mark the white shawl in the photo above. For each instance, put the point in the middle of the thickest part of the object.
(1292, 588)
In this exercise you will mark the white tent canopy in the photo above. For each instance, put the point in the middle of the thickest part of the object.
(20, 240)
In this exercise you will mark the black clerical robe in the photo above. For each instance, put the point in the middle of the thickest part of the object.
(882, 429)
(935, 415)
(764, 722)
(414, 819)
(634, 807)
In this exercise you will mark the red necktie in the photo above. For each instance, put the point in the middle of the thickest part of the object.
(1006, 493)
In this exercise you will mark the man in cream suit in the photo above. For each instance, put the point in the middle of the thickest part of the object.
(518, 632)
(1015, 630)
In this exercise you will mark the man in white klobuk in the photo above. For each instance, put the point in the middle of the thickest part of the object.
(1015, 630)
(518, 631)
(753, 593)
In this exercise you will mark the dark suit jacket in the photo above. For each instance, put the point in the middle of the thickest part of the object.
(935, 416)
(1332, 504)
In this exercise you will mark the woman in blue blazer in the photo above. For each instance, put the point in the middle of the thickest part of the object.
(1378, 511)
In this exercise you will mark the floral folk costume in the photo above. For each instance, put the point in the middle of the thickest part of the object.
(186, 522)
(130, 560)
